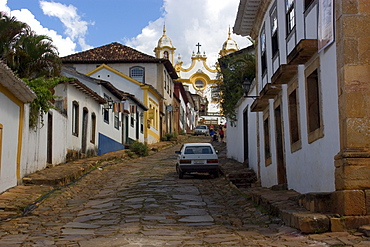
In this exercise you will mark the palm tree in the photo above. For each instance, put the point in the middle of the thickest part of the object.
(35, 56)
(10, 32)
(29, 55)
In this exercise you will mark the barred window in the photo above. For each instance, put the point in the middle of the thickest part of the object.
(138, 73)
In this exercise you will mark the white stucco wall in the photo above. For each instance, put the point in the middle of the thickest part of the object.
(311, 167)
(9, 119)
(34, 152)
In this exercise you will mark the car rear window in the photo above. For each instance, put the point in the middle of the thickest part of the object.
(198, 150)
(201, 127)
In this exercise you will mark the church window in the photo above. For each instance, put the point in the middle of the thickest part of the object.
(199, 84)
(165, 54)
(165, 79)
(263, 51)
(290, 16)
(274, 31)
(137, 73)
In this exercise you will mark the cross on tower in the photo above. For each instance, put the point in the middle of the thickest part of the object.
(199, 45)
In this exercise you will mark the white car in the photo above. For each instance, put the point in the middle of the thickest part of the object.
(201, 130)
(197, 157)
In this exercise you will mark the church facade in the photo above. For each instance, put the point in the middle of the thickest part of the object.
(198, 79)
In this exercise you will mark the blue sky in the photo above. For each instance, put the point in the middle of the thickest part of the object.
(77, 25)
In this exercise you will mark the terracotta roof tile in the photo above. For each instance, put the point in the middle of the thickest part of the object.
(111, 53)
(117, 53)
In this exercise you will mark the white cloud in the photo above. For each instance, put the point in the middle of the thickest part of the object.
(189, 22)
(76, 28)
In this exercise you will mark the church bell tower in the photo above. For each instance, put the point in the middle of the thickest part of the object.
(165, 48)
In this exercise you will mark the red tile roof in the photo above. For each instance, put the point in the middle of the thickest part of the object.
(116, 53)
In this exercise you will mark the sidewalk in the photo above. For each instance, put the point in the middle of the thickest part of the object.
(22, 199)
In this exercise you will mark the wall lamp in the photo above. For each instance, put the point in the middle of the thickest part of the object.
(109, 104)
(246, 87)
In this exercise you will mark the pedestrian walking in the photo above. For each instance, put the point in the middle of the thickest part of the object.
(212, 133)
(222, 134)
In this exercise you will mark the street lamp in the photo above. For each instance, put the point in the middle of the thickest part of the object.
(246, 88)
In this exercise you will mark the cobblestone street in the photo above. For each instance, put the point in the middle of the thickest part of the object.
(143, 203)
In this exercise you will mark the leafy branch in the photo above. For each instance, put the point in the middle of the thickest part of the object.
(43, 103)
(234, 69)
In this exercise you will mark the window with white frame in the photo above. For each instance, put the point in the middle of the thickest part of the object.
(141, 122)
(116, 120)
(106, 111)
(266, 131)
(93, 128)
(138, 73)
(290, 16)
(274, 31)
(75, 118)
(263, 51)
(313, 102)
(293, 109)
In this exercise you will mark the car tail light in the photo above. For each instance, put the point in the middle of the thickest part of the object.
(212, 161)
(185, 161)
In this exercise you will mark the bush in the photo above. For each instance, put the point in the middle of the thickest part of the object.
(139, 148)
(169, 137)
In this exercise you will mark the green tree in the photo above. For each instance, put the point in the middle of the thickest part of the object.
(29, 55)
(234, 69)
(43, 103)
(35, 56)
(10, 32)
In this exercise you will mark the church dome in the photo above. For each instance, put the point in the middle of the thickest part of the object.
(229, 46)
(164, 40)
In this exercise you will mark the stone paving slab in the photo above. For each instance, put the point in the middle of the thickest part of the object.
(18, 197)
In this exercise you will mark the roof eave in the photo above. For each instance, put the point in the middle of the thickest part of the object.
(246, 17)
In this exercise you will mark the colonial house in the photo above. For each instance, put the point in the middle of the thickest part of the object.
(124, 67)
(311, 115)
(187, 113)
(82, 107)
(14, 95)
(123, 113)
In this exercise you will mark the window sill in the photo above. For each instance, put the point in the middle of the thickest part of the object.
(268, 161)
(316, 134)
(296, 146)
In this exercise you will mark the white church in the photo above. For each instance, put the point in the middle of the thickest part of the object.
(199, 78)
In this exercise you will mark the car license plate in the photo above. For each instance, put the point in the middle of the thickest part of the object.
(198, 161)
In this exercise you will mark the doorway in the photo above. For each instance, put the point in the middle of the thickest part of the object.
(245, 137)
(85, 114)
(49, 144)
(281, 167)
